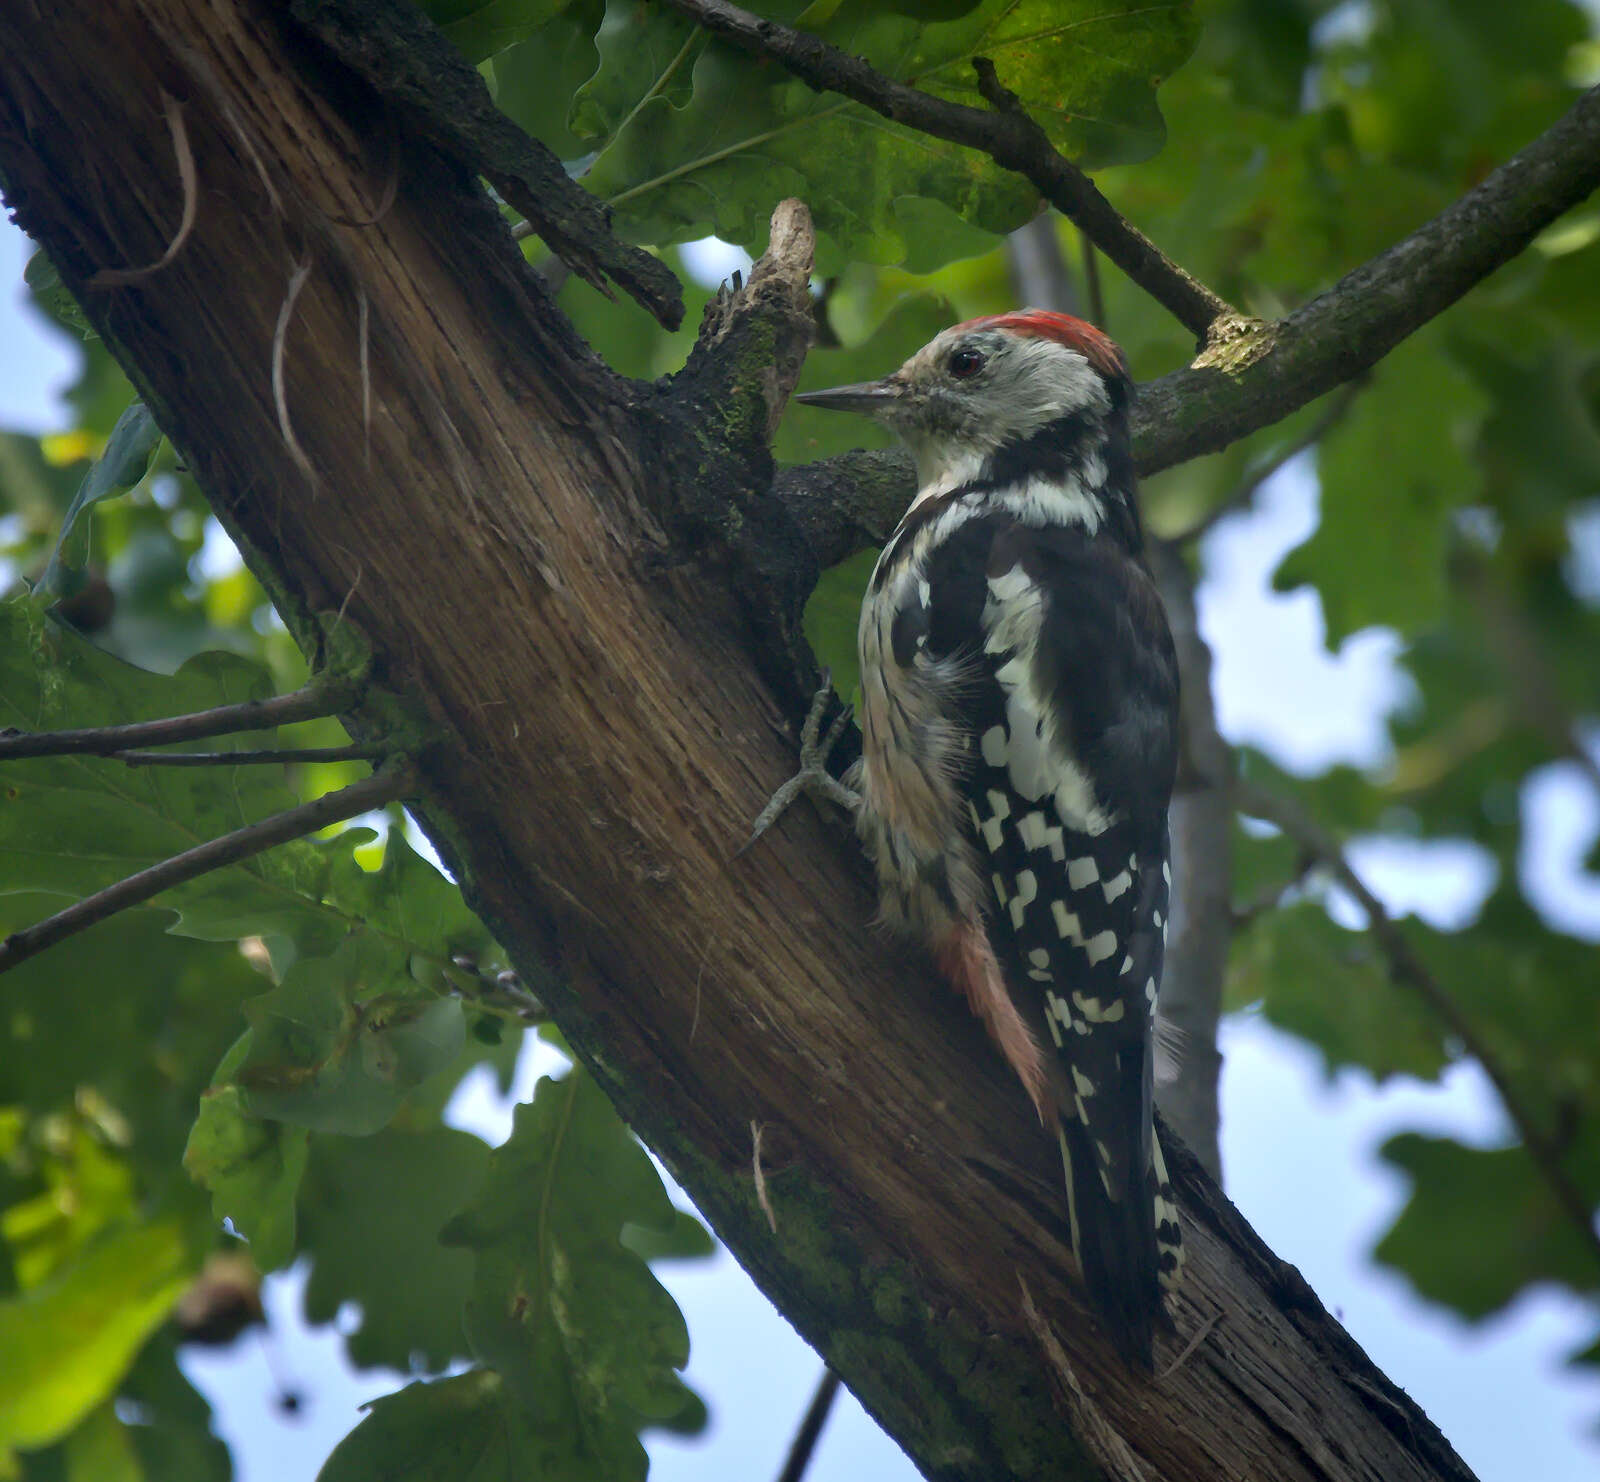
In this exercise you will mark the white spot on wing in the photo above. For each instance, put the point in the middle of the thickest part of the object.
(1027, 889)
(1116, 885)
(1082, 871)
(1068, 927)
(1101, 946)
(994, 746)
(1031, 830)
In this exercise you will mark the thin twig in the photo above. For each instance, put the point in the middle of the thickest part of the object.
(1091, 283)
(1242, 497)
(805, 1439)
(360, 797)
(288, 755)
(1407, 967)
(1007, 135)
(319, 698)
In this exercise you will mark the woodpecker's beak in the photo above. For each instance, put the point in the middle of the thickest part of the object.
(870, 397)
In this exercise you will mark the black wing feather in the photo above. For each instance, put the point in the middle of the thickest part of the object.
(1076, 917)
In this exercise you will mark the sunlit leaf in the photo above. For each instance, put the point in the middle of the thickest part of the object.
(68, 1342)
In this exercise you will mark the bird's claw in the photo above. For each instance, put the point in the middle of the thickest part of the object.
(813, 776)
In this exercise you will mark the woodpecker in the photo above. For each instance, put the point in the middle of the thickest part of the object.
(1019, 701)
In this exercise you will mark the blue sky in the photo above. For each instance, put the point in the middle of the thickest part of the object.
(1298, 1149)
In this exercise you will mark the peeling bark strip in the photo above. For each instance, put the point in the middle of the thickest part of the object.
(566, 573)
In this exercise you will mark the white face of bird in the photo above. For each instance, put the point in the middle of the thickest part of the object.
(980, 385)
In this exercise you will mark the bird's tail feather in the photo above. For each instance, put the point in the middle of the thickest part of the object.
(1121, 1244)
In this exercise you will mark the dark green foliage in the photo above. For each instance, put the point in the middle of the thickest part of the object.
(290, 1029)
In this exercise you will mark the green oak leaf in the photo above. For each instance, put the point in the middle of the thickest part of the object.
(1332, 987)
(536, 80)
(337, 1045)
(693, 137)
(1393, 474)
(253, 1170)
(371, 1209)
(481, 28)
(586, 1339)
(165, 1011)
(1519, 1232)
(462, 1429)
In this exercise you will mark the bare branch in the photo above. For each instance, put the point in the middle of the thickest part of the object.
(1202, 878)
(411, 64)
(1407, 967)
(360, 797)
(288, 755)
(805, 1439)
(1008, 136)
(320, 697)
(1270, 370)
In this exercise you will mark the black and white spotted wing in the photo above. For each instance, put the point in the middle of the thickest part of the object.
(1071, 711)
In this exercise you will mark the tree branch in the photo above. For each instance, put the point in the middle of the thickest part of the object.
(805, 1439)
(319, 698)
(546, 586)
(416, 68)
(1268, 371)
(1272, 370)
(288, 755)
(359, 797)
(1202, 875)
(1407, 967)
(1008, 136)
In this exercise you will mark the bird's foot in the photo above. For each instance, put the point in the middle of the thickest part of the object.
(813, 778)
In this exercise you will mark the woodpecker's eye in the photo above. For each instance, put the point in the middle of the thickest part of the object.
(965, 363)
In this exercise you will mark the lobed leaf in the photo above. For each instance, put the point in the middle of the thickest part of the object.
(584, 1337)
(1519, 1233)
(371, 1210)
(690, 137)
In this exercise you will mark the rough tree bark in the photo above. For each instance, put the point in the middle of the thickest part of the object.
(588, 589)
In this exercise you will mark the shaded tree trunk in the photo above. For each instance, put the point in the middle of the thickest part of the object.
(581, 595)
